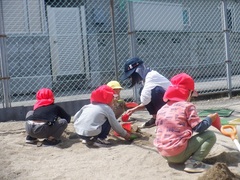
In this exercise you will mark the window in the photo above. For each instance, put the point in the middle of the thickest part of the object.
(23, 16)
(157, 16)
(185, 15)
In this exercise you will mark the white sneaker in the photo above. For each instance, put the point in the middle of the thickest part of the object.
(84, 141)
(194, 166)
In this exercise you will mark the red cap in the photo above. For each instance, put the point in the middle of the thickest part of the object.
(103, 94)
(44, 97)
(181, 86)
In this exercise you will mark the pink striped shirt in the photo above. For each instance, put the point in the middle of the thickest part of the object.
(174, 122)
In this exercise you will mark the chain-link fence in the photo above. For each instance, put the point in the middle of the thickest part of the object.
(73, 46)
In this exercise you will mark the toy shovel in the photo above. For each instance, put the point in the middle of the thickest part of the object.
(231, 134)
(217, 123)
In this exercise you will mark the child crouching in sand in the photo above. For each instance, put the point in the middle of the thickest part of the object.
(118, 104)
(94, 121)
(46, 120)
(177, 120)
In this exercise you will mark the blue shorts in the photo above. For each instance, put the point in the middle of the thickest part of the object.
(156, 100)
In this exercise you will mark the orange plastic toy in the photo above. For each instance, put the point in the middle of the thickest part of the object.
(232, 134)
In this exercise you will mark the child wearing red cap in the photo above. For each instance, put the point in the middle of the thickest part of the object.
(47, 120)
(94, 121)
(177, 120)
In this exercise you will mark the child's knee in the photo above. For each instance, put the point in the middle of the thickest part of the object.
(212, 136)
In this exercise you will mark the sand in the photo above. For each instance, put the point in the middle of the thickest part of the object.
(123, 160)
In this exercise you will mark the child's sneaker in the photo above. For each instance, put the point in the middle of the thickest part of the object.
(103, 141)
(149, 124)
(84, 141)
(194, 166)
(31, 140)
(100, 143)
(52, 142)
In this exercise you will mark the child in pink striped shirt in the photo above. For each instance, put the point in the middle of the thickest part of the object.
(176, 122)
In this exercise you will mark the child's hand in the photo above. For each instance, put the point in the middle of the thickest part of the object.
(213, 116)
(130, 111)
(127, 137)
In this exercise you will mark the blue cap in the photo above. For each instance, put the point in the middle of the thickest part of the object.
(130, 67)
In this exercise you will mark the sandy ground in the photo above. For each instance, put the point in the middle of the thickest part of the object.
(124, 160)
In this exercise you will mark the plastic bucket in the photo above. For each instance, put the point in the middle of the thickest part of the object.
(130, 105)
(125, 117)
(126, 126)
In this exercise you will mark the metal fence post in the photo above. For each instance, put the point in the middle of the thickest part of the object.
(227, 51)
(114, 38)
(3, 59)
(132, 35)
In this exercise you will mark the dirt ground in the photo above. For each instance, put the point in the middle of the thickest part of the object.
(138, 159)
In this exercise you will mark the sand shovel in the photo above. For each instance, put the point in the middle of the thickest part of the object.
(217, 123)
(130, 129)
(232, 134)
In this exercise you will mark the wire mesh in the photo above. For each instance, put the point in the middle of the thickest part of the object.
(67, 45)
